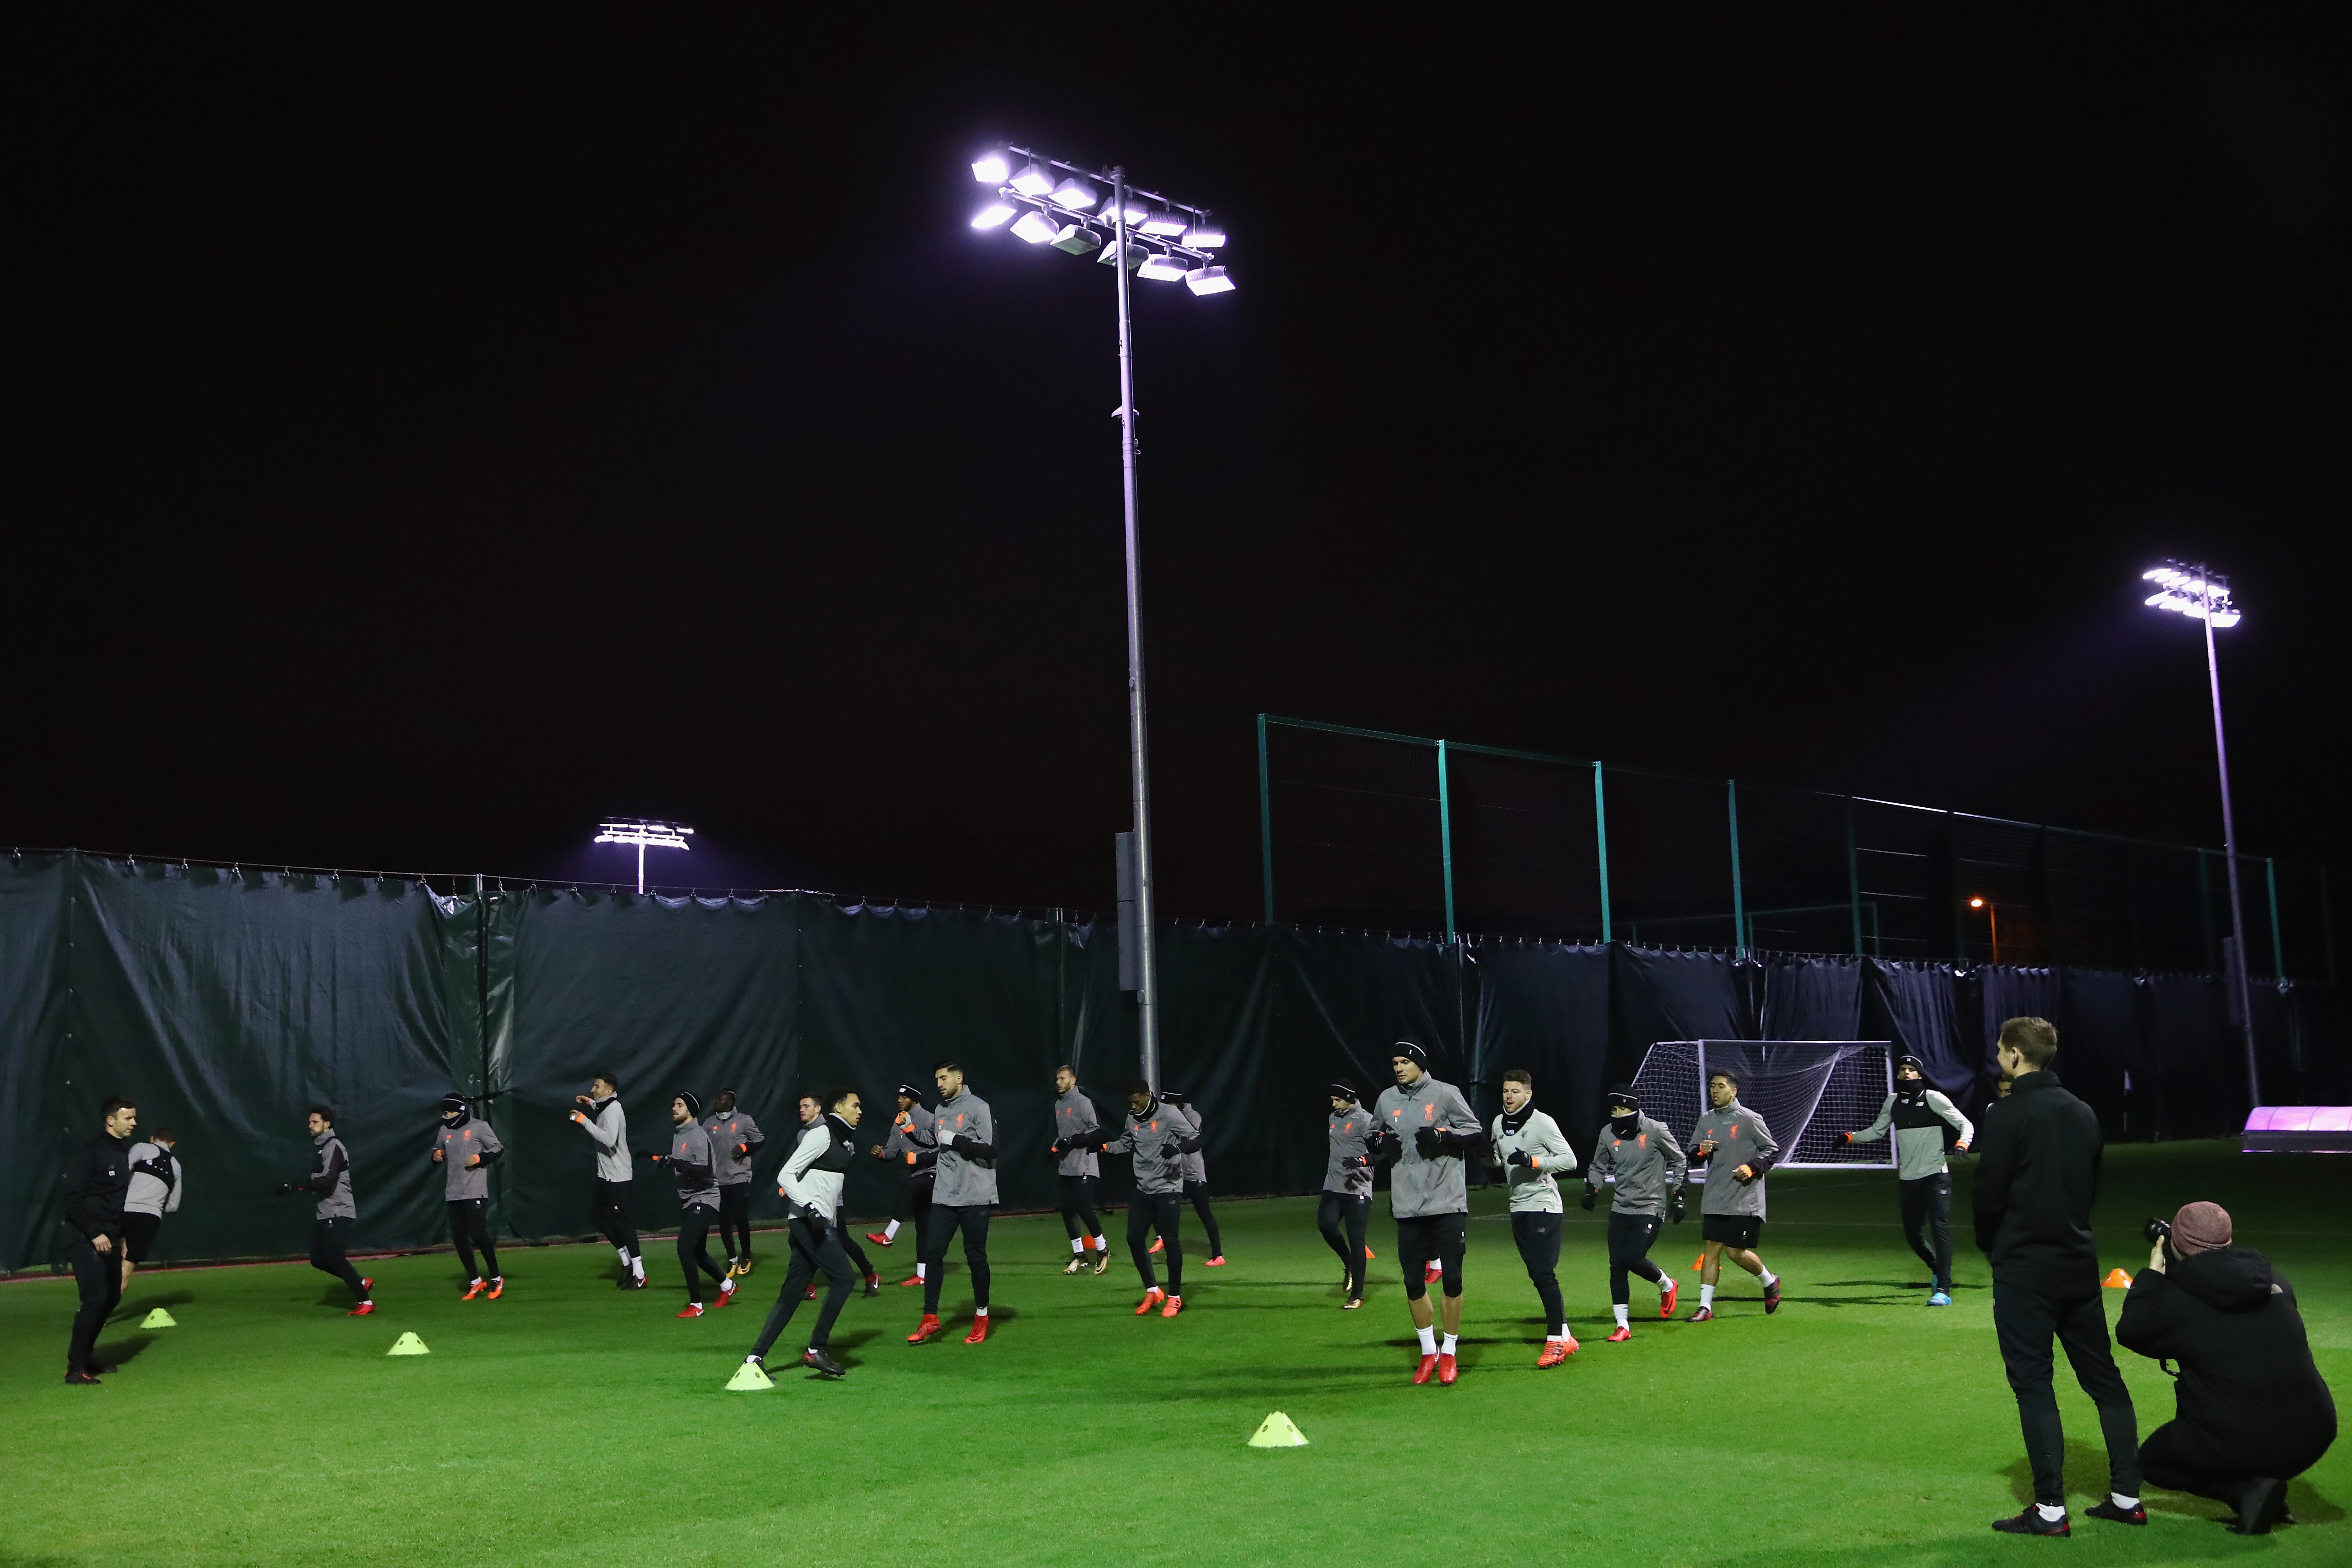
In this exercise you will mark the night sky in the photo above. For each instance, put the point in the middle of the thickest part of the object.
(436, 428)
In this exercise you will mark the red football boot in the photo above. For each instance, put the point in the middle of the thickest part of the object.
(929, 1328)
(979, 1331)
(498, 1289)
(1151, 1298)
(910, 1280)
(362, 1311)
(877, 1239)
(693, 1309)
(476, 1288)
(1218, 1261)
(726, 1292)
(1620, 1336)
(1420, 1374)
(1175, 1305)
(1666, 1301)
(1448, 1368)
(1433, 1274)
(1158, 1242)
(1555, 1351)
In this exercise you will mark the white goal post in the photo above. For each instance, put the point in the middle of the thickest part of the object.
(1809, 1092)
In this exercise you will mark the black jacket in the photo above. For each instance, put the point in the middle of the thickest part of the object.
(2037, 1176)
(2248, 1394)
(98, 1178)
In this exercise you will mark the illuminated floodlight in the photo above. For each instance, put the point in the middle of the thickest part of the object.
(1205, 236)
(1033, 180)
(646, 833)
(995, 215)
(992, 169)
(1161, 268)
(2197, 593)
(1164, 223)
(1037, 229)
(1208, 280)
(1075, 194)
(1079, 240)
(1136, 212)
(1109, 255)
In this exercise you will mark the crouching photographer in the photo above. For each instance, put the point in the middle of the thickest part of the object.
(2251, 1410)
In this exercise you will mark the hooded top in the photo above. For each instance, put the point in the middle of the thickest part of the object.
(157, 1180)
(2249, 1398)
(1073, 1114)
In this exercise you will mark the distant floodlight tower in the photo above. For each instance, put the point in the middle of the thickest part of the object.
(1048, 202)
(2197, 593)
(645, 834)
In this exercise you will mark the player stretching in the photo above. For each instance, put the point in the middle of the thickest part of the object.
(1649, 1166)
(1156, 1135)
(1529, 1145)
(1196, 1173)
(1073, 1114)
(1427, 1129)
(465, 1148)
(810, 1184)
(157, 1185)
(735, 1140)
(691, 1166)
(1347, 1202)
(1919, 1115)
(910, 1141)
(607, 1125)
(965, 1133)
(1739, 1149)
(332, 1218)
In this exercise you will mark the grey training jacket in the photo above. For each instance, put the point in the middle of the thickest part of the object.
(1534, 1188)
(1074, 1113)
(1196, 1164)
(910, 1141)
(1649, 1166)
(470, 1138)
(964, 1181)
(149, 1193)
(690, 1145)
(330, 1177)
(1351, 1132)
(1420, 1188)
(1148, 1137)
(607, 1126)
(803, 1186)
(1740, 1139)
(726, 1132)
(1918, 1138)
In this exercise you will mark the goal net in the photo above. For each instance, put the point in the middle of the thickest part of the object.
(1809, 1092)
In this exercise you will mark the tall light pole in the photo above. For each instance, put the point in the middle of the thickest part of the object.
(2197, 593)
(1048, 202)
(644, 833)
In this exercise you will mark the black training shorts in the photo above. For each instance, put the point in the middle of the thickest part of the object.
(139, 1235)
(1440, 1238)
(1740, 1230)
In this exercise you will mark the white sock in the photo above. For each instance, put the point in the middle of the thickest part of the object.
(1769, 1279)
(477, 1279)
(918, 1270)
(623, 1253)
(1707, 1295)
(890, 1231)
(1428, 1341)
(2122, 1501)
(980, 1311)
(638, 1267)
(1079, 1245)
(1447, 1348)
(1620, 1311)
(1559, 1338)
(2051, 1512)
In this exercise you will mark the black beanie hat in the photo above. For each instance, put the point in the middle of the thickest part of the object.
(693, 1106)
(453, 1101)
(1624, 1095)
(1343, 1091)
(1409, 1048)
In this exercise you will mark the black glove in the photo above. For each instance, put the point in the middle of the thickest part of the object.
(1357, 1162)
(1675, 1208)
(288, 1189)
(1172, 1154)
(1520, 1157)
(1059, 1147)
(1592, 1195)
(1425, 1141)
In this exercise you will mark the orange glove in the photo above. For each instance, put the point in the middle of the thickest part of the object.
(1746, 1173)
(1846, 1137)
(580, 1119)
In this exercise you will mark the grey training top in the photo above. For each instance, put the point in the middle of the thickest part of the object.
(910, 1140)
(471, 1138)
(151, 1193)
(607, 1126)
(964, 1181)
(1534, 1187)
(1740, 1139)
(690, 1145)
(1150, 1137)
(1074, 1113)
(1351, 1132)
(1196, 1163)
(1649, 1166)
(803, 1185)
(1420, 1188)
(330, 1177)
(727, 1132)
(1918, 1135)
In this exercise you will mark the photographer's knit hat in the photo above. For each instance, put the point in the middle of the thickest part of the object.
(2199, 1227)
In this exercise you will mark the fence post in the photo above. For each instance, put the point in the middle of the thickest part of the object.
(1600, 833)
(1739, 943)
(2278, 953)
(1446, 839)
(1264, 819)
(1853, 877)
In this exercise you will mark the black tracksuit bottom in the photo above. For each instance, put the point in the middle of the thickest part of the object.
(469, 1227)
(1078, 1206)
(1163, 1212)
(1538, 1233)
(946, 1220)
(694, 1250)
(2026, 1322)
(735, 1221)
(816, 1249)
(98, 1276)
(612, 1210)
(1199, 1193)
(849, 1248)
(1334, 1211)
(1631, 1236)
(327, 1243)
(1927, 1222)
(2180, 1459)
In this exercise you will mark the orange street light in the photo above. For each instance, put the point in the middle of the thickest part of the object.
(1992, 919)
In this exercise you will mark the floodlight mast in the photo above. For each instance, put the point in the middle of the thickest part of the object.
(644, 832)
(1058, 206)
(2194, 592)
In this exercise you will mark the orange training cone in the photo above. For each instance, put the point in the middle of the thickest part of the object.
(2117, 1279)
(1699, 1264)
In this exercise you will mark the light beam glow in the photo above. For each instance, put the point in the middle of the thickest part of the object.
(1161, 268)
(1205, 236)
(1037, 229)
(639, 830)
(1208, 280)
(1033, 180)
(992, 169)
(995, 215)
(1075, 194)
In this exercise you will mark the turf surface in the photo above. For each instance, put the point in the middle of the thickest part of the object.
(569, 1423)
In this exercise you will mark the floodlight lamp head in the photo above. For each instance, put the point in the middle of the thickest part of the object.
(2200, 595)
(1209, 280)
(1135, 211)
(995, 215)
(1037, 229)
(1110, 255)
(1160, 268)
(1075, 194)
(1079, 240)
(1205, 236)
(1033, 179)
(1164, 223)
(653, 835)
(991, 169)
(1976, 904)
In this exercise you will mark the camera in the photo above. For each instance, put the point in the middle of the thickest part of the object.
(2155, 1230)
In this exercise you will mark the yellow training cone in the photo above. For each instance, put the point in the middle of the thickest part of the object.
(159, 1318)
(1276, 1431)
(749, 1379)
(2117, 1279)
(408, 1344)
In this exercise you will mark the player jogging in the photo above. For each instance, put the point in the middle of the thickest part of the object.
(1426, 1130)
(1156, 1136)
(965, 1135)
(1529, 1145)
(1347, 1202)
(910, 1141)
(810, 1184)
(1924, 1178)
(691, 1166)
(1739, 1149)
(1649, 1166)
(330, 1182)
(157, 1182)
(1076, 1172)
(735, 1140)
(607, 1126)
(1196, 1173)
(464, 1149)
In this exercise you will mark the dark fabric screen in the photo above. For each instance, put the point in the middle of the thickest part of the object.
(36, 1127)
(1916, 1006)
(1546, 1008)
(1812, 999)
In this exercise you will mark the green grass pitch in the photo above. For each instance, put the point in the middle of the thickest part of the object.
(572, 1424)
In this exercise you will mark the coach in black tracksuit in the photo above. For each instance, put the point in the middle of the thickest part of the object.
(98, 1178)
(2035, 1186)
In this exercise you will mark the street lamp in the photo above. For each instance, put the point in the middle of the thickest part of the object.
(1045, 201)
(2194, 592)
(1991, 918)
(645, 834)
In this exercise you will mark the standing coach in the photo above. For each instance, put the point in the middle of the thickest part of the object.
(98, 1178)
(2034, 1190)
